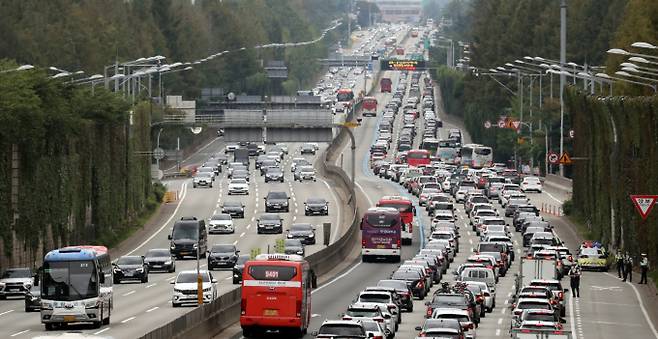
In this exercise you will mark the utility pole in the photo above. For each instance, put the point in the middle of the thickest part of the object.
(349, 23)
(563, 60)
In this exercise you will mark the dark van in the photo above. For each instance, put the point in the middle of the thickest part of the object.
(186, 235)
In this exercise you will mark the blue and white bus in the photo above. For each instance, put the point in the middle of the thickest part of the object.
(76, 286)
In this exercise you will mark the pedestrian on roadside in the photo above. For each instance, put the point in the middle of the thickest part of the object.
(628, 267)
(619, 259)
(644, 267)
(574, 275)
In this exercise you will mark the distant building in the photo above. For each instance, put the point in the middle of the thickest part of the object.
(186, 107)
(400, 10)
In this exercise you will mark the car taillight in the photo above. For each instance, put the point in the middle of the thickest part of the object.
(363, 243)
(377, 319)
(378, 337)
(347, 317)
(299, 308)
(399, 242)
(243, 306)
(479, 298)
(429, 312)
(560, 295)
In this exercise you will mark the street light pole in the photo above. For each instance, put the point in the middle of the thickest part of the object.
(563, 59)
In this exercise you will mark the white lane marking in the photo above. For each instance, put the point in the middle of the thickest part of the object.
(468, 232)
(127, 320)
(152, 309)
(498, 332)
(248, 226)
(294, 217)
(644, 310)
(337, 278)
(217, 206)
(338, 218)
(235, 242)
(503, 311)
(149, 286)
(314, 315)
(5, 312)
(470, 241)
(500, 321)
(19, 333)
(214, 212)
(242, 234)
(364, 193)
(171, 278)
(296, 211)
(129, 293)
(228, 278)
(166, 223)
(253, 218)
(571, 318)
(101, 331)
(203, 265)
(554, 198)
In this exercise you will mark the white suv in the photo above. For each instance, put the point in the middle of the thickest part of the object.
(531, 184)
(185, 288)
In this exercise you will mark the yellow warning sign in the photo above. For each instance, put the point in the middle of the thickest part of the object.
(351, 124)
(565, 159)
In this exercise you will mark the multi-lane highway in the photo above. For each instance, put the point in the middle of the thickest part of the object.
(139, 308)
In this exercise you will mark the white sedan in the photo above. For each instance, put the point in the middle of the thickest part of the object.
(238, 186)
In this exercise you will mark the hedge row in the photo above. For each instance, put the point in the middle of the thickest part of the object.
(606, 172)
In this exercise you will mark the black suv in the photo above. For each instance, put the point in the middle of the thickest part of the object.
(234, 208)
(131, 267)
(269, 223)
(277, 202)
(222, 256)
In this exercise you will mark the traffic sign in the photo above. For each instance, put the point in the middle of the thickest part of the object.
(501, 124)
(571, 134)
(516, 124)
(158, 153)
(487, 124)
(644, 204)
(553, 158)
(565, 159)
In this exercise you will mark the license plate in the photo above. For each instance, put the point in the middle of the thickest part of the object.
(270, 313)
(381, 246)
(184, 253)
(69, 318)
(129, 274)
(157, 266)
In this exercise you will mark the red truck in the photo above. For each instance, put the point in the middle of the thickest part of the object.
(385, 84)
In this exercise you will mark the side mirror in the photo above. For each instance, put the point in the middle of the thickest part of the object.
(169, 237)
(238, 251)
(214, 281)
(172, 282)
(418, 328)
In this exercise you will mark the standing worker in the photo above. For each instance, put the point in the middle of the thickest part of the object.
(628, 267)
(619, 259)
(644, 267)
(574, 274)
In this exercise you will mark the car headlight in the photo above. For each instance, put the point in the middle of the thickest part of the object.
(141, 269)
(311, 235)
(173, 247)
(325, 207)
(2, 285)
(46, 306)
(289, 235)
(168, 262)
(117, 269)
(300, 252)
(195, 246)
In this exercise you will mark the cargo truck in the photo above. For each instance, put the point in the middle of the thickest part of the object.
(385, 84)
(241, 155)
(537, 268)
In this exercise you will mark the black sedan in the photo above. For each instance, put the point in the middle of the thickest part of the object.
(238, 267)
(160, 259)
(274, 174)
(316, 206)
(269, 223)
(33, 299)
(302, 231)
(131, 267)
(293, 246)
(234, 208)
(222, 256)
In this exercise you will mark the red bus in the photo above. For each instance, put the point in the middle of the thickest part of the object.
(407, 212)
(381, 229)
(417, 157)
(276, 295)
(369, 106)
(385, 84)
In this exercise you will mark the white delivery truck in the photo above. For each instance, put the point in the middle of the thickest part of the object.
(537, 268)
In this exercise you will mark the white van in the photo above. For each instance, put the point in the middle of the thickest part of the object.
(482, 274)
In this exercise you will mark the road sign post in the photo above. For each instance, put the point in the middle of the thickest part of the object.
(487, 124)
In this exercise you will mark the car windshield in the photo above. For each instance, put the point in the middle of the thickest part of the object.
(238, 181)
(301, 227)
(69, 280)
(129, 261)
(459, 317)
(185, 231)
(277, 195)
(223, 248)
(232, 204)
(158, 253)
(449, 299)
(393, 283)
(539, 317)
(374, 298)
(316, 201)
(221, 217)
(306, 169)
(341, 330)
(17, 273)
(371, 326)
(190, 277)
(292, 243)
(362, 312)
(270, 218)
(533, 305)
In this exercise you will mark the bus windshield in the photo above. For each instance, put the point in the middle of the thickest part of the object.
(69, 280)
